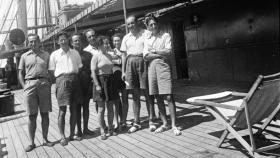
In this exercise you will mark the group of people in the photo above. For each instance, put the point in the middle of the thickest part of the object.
(137, 63)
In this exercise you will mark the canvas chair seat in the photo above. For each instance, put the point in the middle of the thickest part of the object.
(261, 102)
(227, 113)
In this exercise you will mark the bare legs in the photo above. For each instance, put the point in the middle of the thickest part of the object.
(172, 111)
(32, 125)
(110, 115)
(61, 122)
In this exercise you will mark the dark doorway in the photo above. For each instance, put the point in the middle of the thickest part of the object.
(180, 50)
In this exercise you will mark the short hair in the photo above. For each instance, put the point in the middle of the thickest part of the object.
(76, 34)
(33, 34)
(132, 16)
(117, 35)
(87, 30)
(63, 33)
(148, 18)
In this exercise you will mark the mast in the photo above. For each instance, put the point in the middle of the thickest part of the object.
(124, 14)
(48, 13)
(22, 15)
(35, 16)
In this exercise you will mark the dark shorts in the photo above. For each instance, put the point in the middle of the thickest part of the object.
(108, 91)
(37, 95)
(136, 72)
(117, 78)
(86, 86)
(68, 91)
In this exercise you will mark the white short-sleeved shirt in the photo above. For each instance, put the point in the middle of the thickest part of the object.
(158, 42)
(91, 49)
(134, 45)
(65, 62)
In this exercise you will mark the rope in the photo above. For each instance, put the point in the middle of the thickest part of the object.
(6, 16)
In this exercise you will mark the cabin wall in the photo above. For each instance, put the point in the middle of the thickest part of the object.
(231, 41)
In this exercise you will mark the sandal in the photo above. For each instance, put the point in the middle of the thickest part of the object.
(134, 128)
(162, 128)
(152, 127)
(176, 131)
(103, 136)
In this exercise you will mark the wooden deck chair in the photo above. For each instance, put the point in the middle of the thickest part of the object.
(261, 102)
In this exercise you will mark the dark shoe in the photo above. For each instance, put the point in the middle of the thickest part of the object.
(48, 144)
(88, 132)
(30, 147)
(71, 138)
(103, 136)
(112, 133)
(63, 142)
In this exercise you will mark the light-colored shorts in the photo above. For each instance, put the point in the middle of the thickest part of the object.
(159, 77)
(136, 72)
(37, 94)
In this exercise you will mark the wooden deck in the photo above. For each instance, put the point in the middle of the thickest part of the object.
(200, 135)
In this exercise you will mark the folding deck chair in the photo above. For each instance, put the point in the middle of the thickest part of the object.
(261, 102)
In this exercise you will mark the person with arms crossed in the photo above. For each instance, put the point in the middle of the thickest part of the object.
(157, 49)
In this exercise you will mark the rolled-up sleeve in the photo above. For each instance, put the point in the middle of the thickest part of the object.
(124, 46)
(52, 62)
(145, 49)
(93, 63)
(21, 63)
(167, 44)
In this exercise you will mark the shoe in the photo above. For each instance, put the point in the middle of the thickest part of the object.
(71, 138)
(30, 147)
(134, 128)
(48, 144)
(78, 137)
(88, 132)
(63, 142)
(162, 128)
(103, 136)
(176, 131)
(152, 127)
(112, 133)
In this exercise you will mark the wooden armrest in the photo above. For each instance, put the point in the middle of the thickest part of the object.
(272, 76)
(210, 96)
(239, 94)
(209, 103)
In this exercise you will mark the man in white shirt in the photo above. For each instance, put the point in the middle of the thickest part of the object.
(65, 64)
(135, 71)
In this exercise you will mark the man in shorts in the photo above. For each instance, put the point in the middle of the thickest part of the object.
(65, 64)
(35, 80)
(135, 71)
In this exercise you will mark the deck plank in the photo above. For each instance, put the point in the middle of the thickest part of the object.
(199, 138)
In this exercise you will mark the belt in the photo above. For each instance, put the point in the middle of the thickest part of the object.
(135, 55)
(35, 78)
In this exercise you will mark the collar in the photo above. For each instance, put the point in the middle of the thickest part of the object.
(63, 52)
(32, 52)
